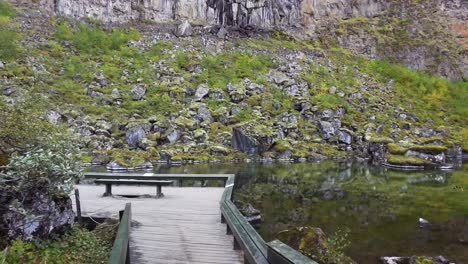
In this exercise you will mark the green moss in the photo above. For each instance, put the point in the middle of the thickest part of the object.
(407, 160)
(384, 140)
(282, 145)
(430, 149)
(129, 158)
(86, 158)
(396, 149)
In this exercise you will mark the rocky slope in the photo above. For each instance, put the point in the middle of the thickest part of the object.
(143, 94)
(429, 35)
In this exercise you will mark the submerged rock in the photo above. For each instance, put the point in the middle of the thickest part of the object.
(415, 260)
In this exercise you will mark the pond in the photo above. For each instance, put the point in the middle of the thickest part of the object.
(379, 208)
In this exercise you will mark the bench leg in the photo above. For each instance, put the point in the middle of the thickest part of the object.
(159, 193)
(108, 190)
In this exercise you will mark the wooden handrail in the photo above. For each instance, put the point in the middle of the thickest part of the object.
(120, 253)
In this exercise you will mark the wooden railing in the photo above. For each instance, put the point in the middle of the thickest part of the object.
(246, 238)
(120, 253)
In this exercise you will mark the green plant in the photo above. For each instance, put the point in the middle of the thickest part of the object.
(6, 9)
(76, 247)
(54, 166)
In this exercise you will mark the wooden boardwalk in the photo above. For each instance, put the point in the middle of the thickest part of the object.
(182, 227)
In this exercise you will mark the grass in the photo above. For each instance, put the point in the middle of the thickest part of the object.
(396, 149)
(430, 149)
(9, 44)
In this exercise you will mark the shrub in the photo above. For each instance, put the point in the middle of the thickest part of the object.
(54, 166)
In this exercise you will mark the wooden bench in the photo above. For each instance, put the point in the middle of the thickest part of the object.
(158, 185)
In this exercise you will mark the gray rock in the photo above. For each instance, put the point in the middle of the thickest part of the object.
(53, 117)
(345, 137)
(116, 94)
(135, 136)
(222, 33)
(202, 91)
(248, 140)
(9, 91)
(33, 215)
(138, 92)
(184, 29)
(2, 65)
(204, 114)
(115, 166)
(327, 129)
(174, 136)
(327, 115)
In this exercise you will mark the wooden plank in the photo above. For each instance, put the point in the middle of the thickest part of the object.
(134, 182)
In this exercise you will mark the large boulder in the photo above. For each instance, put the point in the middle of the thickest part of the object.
(252, 138)
(34, 214)
(135, 136)
(184, 29)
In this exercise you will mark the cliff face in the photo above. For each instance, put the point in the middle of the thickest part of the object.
(424, 35)
(262, 13)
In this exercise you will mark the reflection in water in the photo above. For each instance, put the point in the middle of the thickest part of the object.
(381, 207)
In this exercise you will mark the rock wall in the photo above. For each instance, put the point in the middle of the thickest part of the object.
(262, 13)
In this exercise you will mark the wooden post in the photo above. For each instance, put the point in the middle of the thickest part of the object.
(223, 220)
(108, 190)
(159, 191)
(236, 244)
(228, 230)
(78, 206)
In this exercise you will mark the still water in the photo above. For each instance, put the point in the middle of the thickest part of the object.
(379, 207)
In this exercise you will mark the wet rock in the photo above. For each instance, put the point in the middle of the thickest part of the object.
(423, 223)
(184, 29)
(415, 260)
(138, 92)
(252, 138)
(115, 166)
(135, 136)
(202, 91)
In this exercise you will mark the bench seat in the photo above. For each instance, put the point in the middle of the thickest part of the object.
(158, 185)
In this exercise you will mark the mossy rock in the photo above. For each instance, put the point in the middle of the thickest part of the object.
(282, 146)
(401, 160)
(129, 158)
(384, 140)
(185, 122)
(396, 149)
(3, 159)
(429, 149)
